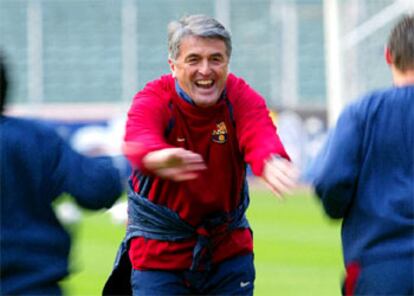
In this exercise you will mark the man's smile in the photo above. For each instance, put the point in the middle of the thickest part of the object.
(205, 83)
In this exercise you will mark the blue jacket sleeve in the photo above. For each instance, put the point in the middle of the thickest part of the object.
(94, 182)
(337, 168)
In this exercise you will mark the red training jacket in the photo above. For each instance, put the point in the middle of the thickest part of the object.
(226, 142)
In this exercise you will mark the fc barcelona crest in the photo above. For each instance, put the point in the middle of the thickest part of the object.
(219, 135)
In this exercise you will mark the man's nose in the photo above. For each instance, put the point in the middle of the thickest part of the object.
(204, 68)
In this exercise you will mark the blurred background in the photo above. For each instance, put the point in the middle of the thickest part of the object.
(77, 64)
(83, 60)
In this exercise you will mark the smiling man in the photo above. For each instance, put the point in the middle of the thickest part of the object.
(201, 69)
(189, 137)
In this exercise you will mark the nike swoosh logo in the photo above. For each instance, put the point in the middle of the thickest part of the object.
(244, 284)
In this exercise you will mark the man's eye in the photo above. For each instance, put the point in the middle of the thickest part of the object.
(192, 61)
(216, 60)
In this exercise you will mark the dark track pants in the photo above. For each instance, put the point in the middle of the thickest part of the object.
(232, 277)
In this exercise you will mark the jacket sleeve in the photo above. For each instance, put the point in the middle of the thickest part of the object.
(337, 167)
(258, 138)
(94, 182)
(146, 124)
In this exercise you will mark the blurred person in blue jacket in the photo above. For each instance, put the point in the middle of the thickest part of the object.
(365, 176)
(37, 166)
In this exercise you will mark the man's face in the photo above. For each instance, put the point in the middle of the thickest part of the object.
(201, 69)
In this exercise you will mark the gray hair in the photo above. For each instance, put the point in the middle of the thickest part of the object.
(199, 26)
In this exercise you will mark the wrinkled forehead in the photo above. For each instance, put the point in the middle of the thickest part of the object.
(205, 46)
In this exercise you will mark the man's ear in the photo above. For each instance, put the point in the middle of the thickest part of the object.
(172, 67)
(388, 56)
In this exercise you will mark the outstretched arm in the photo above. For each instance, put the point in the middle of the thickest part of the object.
(176, 164)
(259, 141)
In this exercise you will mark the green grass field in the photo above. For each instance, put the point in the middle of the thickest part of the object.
(297, 249)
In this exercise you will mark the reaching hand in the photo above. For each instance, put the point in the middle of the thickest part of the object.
(280, 175)
(176, 164)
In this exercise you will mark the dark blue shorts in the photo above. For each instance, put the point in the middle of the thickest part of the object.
(232, 277)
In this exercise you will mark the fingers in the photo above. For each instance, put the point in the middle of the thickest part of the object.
(182, 157)
(281, 176)
(176, 164)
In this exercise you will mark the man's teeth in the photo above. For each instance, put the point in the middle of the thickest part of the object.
(204, 82)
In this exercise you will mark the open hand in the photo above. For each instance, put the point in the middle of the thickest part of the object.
(280, 175)
(176, 164)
